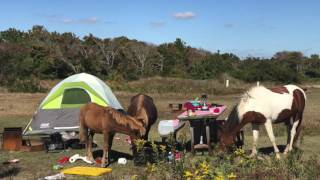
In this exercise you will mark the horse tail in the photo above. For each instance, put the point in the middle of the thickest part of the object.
(83, 134)
(301, 99)
(298, 131)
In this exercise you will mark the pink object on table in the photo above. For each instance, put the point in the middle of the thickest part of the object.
(211, 111)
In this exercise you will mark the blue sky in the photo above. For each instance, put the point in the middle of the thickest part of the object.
(244, 27)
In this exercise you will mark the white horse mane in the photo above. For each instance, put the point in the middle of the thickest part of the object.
(253, 92)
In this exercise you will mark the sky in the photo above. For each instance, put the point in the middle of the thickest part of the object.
(257, 28)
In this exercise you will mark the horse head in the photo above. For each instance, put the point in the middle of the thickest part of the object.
(229, 132)
(139, 130)
(227, 140)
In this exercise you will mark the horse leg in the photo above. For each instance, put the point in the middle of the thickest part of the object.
(268, 126)
(289, 127)
(255, 131)
(111, 136)
(133, 145)
(293, 133)
(105, 157)
(89, 146)
(145, 137)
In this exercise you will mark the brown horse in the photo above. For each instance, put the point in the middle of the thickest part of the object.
(143, 108)
(106, 120)
(266, 106)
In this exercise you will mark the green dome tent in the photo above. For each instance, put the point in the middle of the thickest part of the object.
(59, 111)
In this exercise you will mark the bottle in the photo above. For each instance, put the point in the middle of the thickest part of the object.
(170, 156)
(204, 102)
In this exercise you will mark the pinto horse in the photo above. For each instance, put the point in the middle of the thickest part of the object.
(265, 106)
(106, 120)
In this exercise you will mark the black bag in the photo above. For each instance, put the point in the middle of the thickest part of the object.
(55, 142)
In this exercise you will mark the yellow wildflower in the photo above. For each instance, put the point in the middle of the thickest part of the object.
(163, 148)
(205, 168)
(219, 177)
(140, 144)
(232, 176)
(154, 147)
(199, 177)
(134, 177)
(188, 174)
(239, 152)
(153, 168)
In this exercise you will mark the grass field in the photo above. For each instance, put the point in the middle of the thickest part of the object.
(16, 110)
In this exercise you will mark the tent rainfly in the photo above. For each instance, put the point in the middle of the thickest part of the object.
(59, 111)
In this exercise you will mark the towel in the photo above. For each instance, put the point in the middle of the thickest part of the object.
(87, 171)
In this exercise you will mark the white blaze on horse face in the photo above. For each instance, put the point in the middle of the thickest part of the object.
(264, 101)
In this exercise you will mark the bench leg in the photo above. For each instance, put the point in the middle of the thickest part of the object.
(192, 140)
(164, 139)
(208, 139)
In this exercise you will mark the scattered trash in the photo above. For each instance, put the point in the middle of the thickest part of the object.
(122, 161)
(89, 171)
(57, 167)
(54, 177)
(9, 170)
(77, 156)
(98, 161)
(170, 156)
(178, 156)
(64, 160)
(11, 161)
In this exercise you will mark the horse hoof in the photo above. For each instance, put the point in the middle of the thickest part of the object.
(104, 165)
(278, 156)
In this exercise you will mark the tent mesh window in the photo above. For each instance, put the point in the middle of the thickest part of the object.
(74, 97)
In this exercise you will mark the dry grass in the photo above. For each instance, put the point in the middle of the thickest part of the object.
(17, 108)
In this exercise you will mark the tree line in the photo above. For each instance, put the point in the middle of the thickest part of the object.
(26, 57)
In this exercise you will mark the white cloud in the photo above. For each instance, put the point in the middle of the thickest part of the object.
(67, 21)
(92, 20)
(184, 15)
(157, 23)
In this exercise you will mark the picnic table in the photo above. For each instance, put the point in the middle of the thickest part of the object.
(200, 121)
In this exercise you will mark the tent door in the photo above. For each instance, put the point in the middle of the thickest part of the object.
(75, 97)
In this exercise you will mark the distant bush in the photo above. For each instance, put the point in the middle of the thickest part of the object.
(53, 55)
(26, 85)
